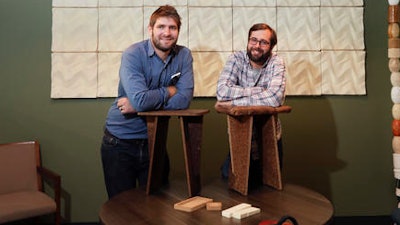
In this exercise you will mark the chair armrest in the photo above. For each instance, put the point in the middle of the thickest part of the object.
(54, 180)
(50, 176)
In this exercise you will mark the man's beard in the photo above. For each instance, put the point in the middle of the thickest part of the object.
(259, 60)
(158, 45)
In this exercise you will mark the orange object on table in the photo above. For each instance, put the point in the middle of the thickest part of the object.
(273, 222)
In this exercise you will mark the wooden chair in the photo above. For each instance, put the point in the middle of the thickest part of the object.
(21, 184)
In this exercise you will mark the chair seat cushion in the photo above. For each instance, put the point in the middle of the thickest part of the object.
(20, 205)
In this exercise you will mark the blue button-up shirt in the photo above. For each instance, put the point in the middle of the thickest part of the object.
(144, 79)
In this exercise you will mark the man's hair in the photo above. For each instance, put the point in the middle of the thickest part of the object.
(165, 11)
(264, 26)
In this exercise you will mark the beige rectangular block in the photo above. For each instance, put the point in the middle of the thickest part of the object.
(230, 211)
(246, 212)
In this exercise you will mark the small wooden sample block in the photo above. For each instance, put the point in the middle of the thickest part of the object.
(192, 204)
(230, 211)
(214, 206)
(246, 212)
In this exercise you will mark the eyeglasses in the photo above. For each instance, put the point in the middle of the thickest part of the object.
(255, 41)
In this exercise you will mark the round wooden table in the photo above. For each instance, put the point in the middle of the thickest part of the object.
(136, 207)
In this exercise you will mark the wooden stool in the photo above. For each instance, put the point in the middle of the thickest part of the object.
(240, 127)
(191, 129)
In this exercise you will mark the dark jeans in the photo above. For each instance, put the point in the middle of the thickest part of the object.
(125, 163)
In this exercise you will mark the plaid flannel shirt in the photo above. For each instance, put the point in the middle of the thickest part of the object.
(238, 84)
(245, 86)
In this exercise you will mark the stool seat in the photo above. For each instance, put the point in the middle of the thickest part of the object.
(241, 122)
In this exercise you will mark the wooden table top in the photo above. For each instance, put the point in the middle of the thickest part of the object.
(135, 207)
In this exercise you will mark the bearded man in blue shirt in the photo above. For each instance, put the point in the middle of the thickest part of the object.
(154, 74)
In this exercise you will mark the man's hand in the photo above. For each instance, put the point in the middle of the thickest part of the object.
(125, 106)
(171, 91)
(223, 105)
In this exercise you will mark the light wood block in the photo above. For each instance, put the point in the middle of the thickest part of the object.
(192, 204)
(246, 212)
(230, 211)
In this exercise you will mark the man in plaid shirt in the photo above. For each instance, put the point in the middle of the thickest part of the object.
(255, 77)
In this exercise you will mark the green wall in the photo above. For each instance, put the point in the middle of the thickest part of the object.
(337, 145)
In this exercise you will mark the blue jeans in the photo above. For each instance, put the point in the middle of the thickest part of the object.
(125, 163)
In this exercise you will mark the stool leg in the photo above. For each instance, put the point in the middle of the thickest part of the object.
(240, 130)
(270, 155)
(191, 128)
(157, 129)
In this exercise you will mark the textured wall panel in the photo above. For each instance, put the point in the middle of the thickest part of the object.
(342, 2)
(119, 28)
(303, 73)
(108, 74)
(343, 72)
(74, 29)
(74, 75)
(75, 3)
(169, 2)
(258, 3)
(213, 29)
(105, 3)
(207, 67)
(298, 28)
(245, 17)
(299, 3)
(209, 3)
(342, 28)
